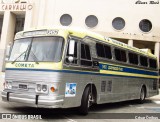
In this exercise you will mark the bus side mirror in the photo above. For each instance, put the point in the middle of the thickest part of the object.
(70, 59)
(71, 50)
(8, 50)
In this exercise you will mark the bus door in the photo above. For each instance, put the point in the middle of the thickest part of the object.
(79, 58)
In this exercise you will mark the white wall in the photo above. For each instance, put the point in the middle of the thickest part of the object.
(48, 13)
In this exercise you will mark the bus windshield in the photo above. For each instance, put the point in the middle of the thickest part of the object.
(37, 49)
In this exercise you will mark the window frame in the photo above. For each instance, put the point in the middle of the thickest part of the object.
(80, 59)
(103, 44)
(120, 53)
(141, 63)
(150, 64)
(129, 58)
(78, 65)
(62, 51)
(78, 53)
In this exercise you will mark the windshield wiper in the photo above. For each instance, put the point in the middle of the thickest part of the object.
(21, 55)
(34, 57)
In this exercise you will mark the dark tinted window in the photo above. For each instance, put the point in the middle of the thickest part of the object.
(66, 19)
(100, 50)
(133, 58)
(88, 56)
(143, 61)
(118, 23)
(152, 63)
(85, 55)
(145, 25)
(120, 55)
(107, 50)
(91, 21)
(83, 52)
(103, 51)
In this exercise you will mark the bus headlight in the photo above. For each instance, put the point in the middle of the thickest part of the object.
(44, 88)
(41, 88)
(8, 85)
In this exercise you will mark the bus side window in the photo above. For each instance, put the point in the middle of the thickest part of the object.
(103, 51)
(108, 51)
(85, 55)
(152, 63)
(143, 61)
(133, 58)
(120, 55)
(74, 55)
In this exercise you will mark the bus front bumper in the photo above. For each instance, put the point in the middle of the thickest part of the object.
(33, 100)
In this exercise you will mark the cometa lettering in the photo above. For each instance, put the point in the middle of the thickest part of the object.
(24, 65)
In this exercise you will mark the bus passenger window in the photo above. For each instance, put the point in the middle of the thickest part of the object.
(74, 55)
(100, 50)
(85, 55)
(108, 51)
(133, 58)
(143, 61)
(103, 51)
(120, 55)
(152, 63)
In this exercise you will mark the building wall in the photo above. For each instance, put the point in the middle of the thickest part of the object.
(49, 12)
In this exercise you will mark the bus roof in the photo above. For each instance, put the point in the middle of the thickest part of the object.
(82, 33)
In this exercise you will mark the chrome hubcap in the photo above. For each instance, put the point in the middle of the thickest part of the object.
(142, 95)
(89, 100)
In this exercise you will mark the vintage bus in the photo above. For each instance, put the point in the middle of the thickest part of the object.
(64, 67)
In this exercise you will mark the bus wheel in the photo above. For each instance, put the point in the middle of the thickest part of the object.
(86, 101)
(142, 95)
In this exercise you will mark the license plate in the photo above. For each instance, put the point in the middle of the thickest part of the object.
(22, 86)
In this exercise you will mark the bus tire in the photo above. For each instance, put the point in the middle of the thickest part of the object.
(86, 101)
(142, 95)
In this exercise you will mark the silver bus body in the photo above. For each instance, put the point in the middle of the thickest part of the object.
(110, 80)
